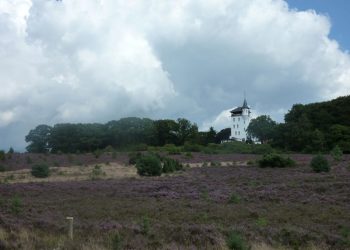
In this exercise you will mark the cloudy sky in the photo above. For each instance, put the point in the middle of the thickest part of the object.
(99, 60)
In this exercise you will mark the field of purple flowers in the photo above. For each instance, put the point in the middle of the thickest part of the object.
(196, 209)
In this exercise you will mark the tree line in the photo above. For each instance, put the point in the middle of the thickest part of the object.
(88, 137)
(316, 127)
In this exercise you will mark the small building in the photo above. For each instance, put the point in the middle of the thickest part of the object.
(241, 119)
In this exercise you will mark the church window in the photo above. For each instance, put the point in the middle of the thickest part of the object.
(233, 119)
(238, 118)
(239, 132)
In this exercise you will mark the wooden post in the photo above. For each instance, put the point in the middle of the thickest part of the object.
(70, 227)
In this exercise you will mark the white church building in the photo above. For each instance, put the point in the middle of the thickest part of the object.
(241, 119)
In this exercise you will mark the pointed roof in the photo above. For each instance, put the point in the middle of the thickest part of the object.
(245, 105)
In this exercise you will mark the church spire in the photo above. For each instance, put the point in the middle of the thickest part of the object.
(245, 105)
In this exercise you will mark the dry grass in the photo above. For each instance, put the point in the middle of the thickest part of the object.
(73, 173)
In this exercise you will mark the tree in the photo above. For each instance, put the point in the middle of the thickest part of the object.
(39, 139)
(262, 128)
(223, 135)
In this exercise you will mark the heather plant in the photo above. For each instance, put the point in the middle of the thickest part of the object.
(97, 153)
(275, 161)
(29, 160)
(40, 170)
(236, 242)
(234, 199)
(16, 205)
(149, 165)
(337, 153)
(319, 163)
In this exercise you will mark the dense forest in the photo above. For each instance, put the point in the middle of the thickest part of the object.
(316, 127)
(120, 134)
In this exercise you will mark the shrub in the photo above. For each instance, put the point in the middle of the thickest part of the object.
(117, 241)
(236, 242)
(234, 199)
(145, 226)
(40, 170)
(189, 147)
(2, 168)
(2, 155)
(337, 153)
(149, 165)
(275, 161)
(97, 172)
(171, 165)
(16, 205)
(319, 164)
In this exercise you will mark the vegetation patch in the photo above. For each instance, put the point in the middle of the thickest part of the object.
(319, 163)
(236, 242)
(275, 161)
(40, 170)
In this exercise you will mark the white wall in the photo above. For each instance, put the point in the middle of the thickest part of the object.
(240, 124)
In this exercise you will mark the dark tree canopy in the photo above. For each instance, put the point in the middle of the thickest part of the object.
(38, 139)
(262, 128)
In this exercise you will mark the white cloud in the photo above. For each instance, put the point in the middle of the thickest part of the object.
(90, 60)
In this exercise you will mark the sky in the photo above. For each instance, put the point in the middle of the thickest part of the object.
(101, 60)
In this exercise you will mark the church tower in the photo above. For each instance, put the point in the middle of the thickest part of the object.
(241, 119)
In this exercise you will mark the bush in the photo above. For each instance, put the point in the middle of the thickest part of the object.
(234, 199)
(189, 147)
(319, 164)
(236, 242)
(16, 205)
(149, 165)
(337, 153)
(171, 165)
(40, 170)
(275, 161)
(2, 155)
(117, 242)
(2, 168)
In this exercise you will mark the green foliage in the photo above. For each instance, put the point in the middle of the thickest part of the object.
(319, 164)
(236, 242)
(171, 165)
(97, 172)
(190, 147)
(234, 199)
(262, 222)
(337, 153)
(223, 135)
(117, 242)
(40, 170)
(145, 225)
(275, 161)
(2, 168)
(2, 155)
(262, 128)
(149, 165)
(316, 127)
(16, 205)
(38, 139)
